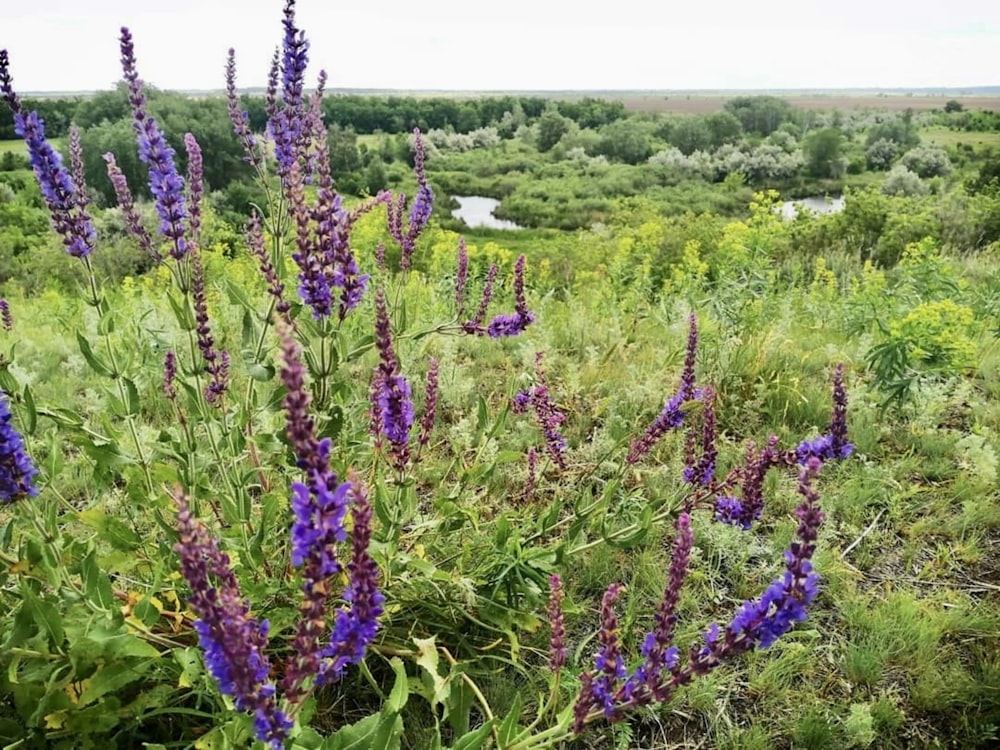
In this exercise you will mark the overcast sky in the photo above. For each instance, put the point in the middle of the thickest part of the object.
(69, 45)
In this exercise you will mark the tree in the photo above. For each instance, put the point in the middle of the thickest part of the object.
(691, 134)
(550, 128)
(760, 114)
(822, 150)
(626, 141)
(953, 105)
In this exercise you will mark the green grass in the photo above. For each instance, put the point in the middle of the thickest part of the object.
(946, 137)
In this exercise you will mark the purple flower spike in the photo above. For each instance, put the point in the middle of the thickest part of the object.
(557, 641)
(430, 405)
(476, 324)
(76, 166)
(17, 472)
(239, 117)
(532, 479)
(5, 317)
(233, 642)
(319, 506)
(702, 471)
(133, 221)
(461, 277)
(420, 211)
(355, 628)
(672, 415)
(165, 183)
(196, 187)
(833, 445)
(608, 665)
(169, 375)
(63, 199)
(656, 650)
(391, 391)
(275, 287)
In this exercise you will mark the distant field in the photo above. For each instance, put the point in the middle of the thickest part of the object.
(680, 103)
(945, 137)
(17, 145)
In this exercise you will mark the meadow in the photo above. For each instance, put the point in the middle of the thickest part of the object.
(345, 473)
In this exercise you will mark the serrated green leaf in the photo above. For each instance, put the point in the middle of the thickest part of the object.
(96, 363)
(510, 727)
(132, 394)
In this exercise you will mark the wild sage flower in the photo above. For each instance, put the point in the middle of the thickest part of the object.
(461, 277)
(216, 362)
(196, 186)
(744, 511)
(165, 183)
(233, 642)
(430, 404)
(532, 479)
(609, 667)
(133, 222)
(550, 419)
(420, 211)
(76, 168)
(169, 375)
(833, 444)
(17, 471)
(5, 317)
(62, 197)
(475, 325)
(702, 470)
(319, 506)
(275, 287)
(355, 628)
(239, 117)
(392, 391)
(672, 415)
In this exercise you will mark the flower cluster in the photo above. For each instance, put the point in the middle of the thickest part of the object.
(391, 391)
(17, 472)
(671, 417)
(833, 443)
(5, 317)
(606, 692)
(165, 183)
(234, 643)
(505, 324)
(550, 419)
(420, 211)
(64, 200)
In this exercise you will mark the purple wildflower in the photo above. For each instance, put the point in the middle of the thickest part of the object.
(165, 183)
(286, 124)
(395, 406)
(550, 419)
(133, 221)
(239, 117)
(609, 666)
(521, 402)
(319, 505)
(17, 472)
(354, 628)
(62, 197)
(513, 325)
(169, 375)
(275, 287)
(420, 211)
(196, 187)
(216, 365)
(233, 642)
(557, 626)
(672, 415)
(5, 317)
(430, 404)
(532, 479)
(461, 277)
(76, 168)
(744, 511)
(476, 324)
(833, 444)
(702, 471)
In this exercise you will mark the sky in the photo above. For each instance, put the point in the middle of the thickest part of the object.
(71, 45)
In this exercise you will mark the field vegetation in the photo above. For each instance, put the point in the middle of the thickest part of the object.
(292, 457)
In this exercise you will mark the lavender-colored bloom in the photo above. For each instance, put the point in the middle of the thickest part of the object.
(557, 626)
(521, 402)
(286, 125)
(5, 317)
(532, 479)
(196, 187)
(275, 287)
(608, 665)
(550, 419)
(271, 90)
(391, 389)
(420, 211)
(76, 167)
(430, 404)
(233, 642)
(239, 117)
(834, 444)
(62, 197)
(702, 470)
(315, 277)
(744, 511)
(169, 375)
(461, 277)
(509, 325)
(319, 505)
(133, 222)
(17, 472)
(380, 257)
(165, 183)
(216, 363)
(355, 628)
(476, 324)
(672, 415)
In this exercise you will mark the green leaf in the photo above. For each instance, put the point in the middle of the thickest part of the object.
(400, 688)
(30, 412)
(475, 739)
(379, 731)
(96, 585)
(96, 363)
(45, 615)
(510, 727)
(132, 393)
(182, 312)
(110, 529)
